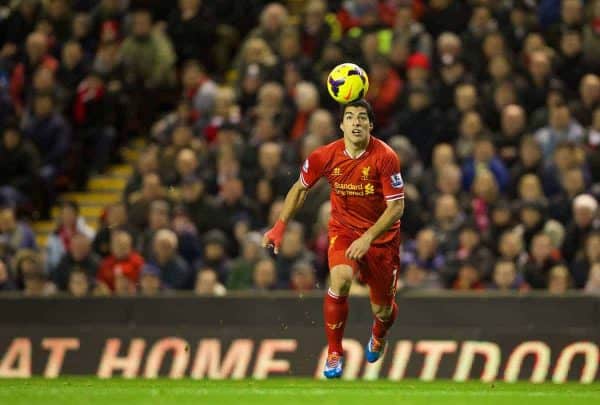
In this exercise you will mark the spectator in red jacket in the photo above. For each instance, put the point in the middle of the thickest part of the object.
(122, 261)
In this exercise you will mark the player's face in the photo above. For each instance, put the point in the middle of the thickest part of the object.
(356, 125)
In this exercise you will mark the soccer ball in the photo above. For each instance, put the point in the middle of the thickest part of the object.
(347, 82)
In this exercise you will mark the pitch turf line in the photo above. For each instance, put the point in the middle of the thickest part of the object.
(90, 391)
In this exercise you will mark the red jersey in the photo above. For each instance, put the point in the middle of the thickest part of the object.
(130, 267)
(360, 186)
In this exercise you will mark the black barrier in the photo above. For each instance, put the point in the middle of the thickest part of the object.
(534, 338)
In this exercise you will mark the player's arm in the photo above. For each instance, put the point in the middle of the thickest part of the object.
(293, 201)
(392, 213)
(312, 170)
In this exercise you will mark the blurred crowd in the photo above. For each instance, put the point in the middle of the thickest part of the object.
(493, 108)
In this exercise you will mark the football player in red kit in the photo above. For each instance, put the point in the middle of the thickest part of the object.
(367, 202)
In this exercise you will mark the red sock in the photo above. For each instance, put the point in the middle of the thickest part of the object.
(380, 327)
(335, 312)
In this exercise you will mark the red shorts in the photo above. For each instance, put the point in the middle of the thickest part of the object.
(378, 268)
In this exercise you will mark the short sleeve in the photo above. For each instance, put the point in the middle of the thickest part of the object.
(312, 168)
(391, 178)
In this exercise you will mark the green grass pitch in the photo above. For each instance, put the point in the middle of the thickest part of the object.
(90, 391)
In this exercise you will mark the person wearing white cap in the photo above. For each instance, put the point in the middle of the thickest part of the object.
(585, 220)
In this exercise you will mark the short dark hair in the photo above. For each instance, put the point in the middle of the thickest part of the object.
(361, 102)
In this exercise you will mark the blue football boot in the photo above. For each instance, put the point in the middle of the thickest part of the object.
(375, 349)
(334, 365)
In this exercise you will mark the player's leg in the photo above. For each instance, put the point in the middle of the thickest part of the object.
(384, 317)
(335, 313)
(382, 277)
(335, 304)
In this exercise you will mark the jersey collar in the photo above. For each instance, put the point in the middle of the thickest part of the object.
(361, 154)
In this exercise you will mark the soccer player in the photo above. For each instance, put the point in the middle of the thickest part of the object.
(367, 202)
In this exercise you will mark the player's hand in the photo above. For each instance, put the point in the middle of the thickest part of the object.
(273, 237)
(358, 248)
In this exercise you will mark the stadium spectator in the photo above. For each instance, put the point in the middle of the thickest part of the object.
(530, 161)
(585, 209)
(122, 266)
(448, 218)
(207, 283)
(193, 31)
(571, 66)
(19, 168)
(14, 235)
(418, 278)
(115, 218)
(424, 252)
(470, 128)
(139, 201)
(530, 189)
(539, 70)
(501, 220)
(150, 280)
(149, 60)
(174, 271)
(292, 251)
(123, 286)
(512, 128)
(485, 157)
(583, 263)
(50, 133)
(78, 257)
(421, 121)
(240, 276)
(70, 223)
(36, 56)
(571, 16)
(30, 275)
(198, 88)
(148, 55)
(559, 280)
(79, 283)
(542, 258)
(590, 36)
(468, 277)
(232, 205)
(442, 156)
(510, 247)
(264, 275)
(215, 253)
(315, 30)
(561, 127)
(385, 87)
(470, 250)
(94, 115)
(506, 278)
(189, 241)
(302, 277)
(159, 217)
(589, 98)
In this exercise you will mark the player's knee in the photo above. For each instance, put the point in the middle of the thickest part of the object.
(341, 286)
(382, 312)
(341, 280)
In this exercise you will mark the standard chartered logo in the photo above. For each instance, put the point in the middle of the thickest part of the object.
(353, 190)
